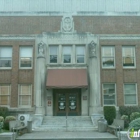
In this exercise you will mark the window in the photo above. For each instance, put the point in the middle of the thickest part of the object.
(128, 56)
(67, 54)
(108, 57)
(80, 54)
(130, 94)
(25, 92)
(25, 57)
(53, 54)
(5, 57)
(5, 91)
(109, 94)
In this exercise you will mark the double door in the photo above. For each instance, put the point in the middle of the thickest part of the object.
(67, 104)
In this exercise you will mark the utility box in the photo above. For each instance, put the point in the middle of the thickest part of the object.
(102, 125)
(29, 126)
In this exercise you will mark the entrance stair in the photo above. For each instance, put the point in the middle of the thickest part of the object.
(70, 123)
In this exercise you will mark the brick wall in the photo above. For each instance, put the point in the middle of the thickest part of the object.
(15, 75)
(120, 75)
(93, 24)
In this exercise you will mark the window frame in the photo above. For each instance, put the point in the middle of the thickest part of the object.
(57, 54)
(9, 94)
(113, 56)
(71, 56)
(136, 95)
(80, 55)
(19, 91)
(123, 48)
(3, 46)
(112, 94)
(27, 46)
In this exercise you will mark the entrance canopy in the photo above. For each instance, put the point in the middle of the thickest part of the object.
(66, 78)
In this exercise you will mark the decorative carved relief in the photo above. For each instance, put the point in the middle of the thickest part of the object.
(41, 48)
(67, 24)
(92, 49)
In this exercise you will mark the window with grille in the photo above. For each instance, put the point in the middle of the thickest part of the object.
(26, 53)
(80, 54)
(25, 95)
(108, 57)
(130, 94)
(67, 53)
(128, 56)
(53, 54)
(109, 94)
(5, 92)
(5, 57)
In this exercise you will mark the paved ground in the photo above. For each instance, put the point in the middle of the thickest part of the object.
(67, 136)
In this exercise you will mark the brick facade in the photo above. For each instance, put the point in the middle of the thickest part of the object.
(92, 24)
(32, 25)
(15, 76)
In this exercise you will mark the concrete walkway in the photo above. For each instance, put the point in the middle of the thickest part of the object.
(67, 136)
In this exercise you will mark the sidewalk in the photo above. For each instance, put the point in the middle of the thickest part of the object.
(67, 136)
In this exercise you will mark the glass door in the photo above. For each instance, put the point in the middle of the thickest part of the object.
(72, 104)
(67, 104)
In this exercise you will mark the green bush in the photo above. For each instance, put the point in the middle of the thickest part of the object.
(134, 116)
(110, 114)
(1, 123)
(4, 111)
(126, 120)
(135, 124)
(1, 119)
(128, 110)
(7, 120)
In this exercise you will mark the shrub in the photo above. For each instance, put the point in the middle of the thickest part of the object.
(110, 114)
(1, 119)
(135, 124)
(7, 120)
(134, 116)
(126, 120)
(4, 111)
(1, 123)
(128, 110)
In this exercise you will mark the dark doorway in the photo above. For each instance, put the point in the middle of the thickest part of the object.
(67, 102)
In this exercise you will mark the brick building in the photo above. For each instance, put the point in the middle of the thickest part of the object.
(67, 57)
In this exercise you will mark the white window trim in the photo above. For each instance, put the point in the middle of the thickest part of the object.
(129, 67)
(9, 99)
(24, 106)
(136, 95)
(57, 54)
(71, 55)
(31, 59)
(113, 94)
(76, 54)
(11, 58)
(103, 67)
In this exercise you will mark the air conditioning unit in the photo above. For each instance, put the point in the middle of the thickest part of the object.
(23, 118)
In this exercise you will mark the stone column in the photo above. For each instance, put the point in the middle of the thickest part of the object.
(94, 78)
(40, 80)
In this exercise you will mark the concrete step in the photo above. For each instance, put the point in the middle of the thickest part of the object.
(70, 123)
(67, 136)
(64, 128)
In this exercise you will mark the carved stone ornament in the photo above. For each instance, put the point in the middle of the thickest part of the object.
(92, 49)
(41, 48)
(67, 24)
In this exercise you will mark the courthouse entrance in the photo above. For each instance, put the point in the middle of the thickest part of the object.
(67, 102)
